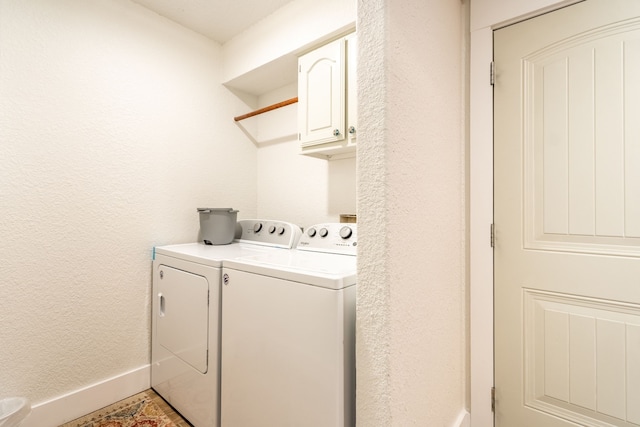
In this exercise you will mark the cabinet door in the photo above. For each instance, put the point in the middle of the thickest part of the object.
(321, 94)
(352, 88)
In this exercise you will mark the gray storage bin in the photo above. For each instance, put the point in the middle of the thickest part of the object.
(217, 225)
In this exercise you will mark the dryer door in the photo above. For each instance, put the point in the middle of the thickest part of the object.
(182, 300)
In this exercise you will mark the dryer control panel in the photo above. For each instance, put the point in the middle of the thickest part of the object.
(334, 238)
(277, 234)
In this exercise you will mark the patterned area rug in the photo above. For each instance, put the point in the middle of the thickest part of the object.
(136, 411)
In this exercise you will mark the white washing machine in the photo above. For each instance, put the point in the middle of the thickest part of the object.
(288, 334)
(185, 341)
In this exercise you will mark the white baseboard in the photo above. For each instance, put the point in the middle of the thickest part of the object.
(81, 402)
(463, 420)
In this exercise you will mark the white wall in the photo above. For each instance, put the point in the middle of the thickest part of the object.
(114, 127)
(411, 324)
(296, 26)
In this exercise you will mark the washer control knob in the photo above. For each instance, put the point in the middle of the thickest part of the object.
(346, 232)
(280, 231)
(257, 227)
(324, 232)
(272, 229)
(311, 232)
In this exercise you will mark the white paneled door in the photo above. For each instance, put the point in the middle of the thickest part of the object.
(567, 217)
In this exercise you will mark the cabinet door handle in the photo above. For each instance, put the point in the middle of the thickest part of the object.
(352, 130)
(336, 132)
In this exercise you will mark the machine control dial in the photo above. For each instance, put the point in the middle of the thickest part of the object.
(331, 238)
(280, 231)
(346, 232)
(272, 229)
(257, 227)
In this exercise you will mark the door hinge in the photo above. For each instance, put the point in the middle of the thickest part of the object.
(492, 73)
(493, 236)
(493, 399)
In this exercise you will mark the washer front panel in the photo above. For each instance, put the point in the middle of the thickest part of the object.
(287, 353)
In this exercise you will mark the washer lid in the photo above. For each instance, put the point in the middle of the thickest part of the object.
(330, 271)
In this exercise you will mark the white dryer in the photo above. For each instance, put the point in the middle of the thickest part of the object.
(185, 341)
(288, 334)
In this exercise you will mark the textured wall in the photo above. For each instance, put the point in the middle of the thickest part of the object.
(296, 25)
(411, 283)
(301, 189)
(113, 128)
(305, 190)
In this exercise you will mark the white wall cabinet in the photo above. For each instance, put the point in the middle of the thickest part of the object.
(327, 100)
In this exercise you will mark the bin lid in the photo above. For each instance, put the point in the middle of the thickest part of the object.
(210, 210)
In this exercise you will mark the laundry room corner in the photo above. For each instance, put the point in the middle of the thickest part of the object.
(260, 68)
(113, 120)
(306, 190)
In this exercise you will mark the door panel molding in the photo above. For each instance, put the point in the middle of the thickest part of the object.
(567, 206)
(576, 348)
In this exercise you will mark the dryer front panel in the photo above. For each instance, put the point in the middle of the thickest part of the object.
(182, 315)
